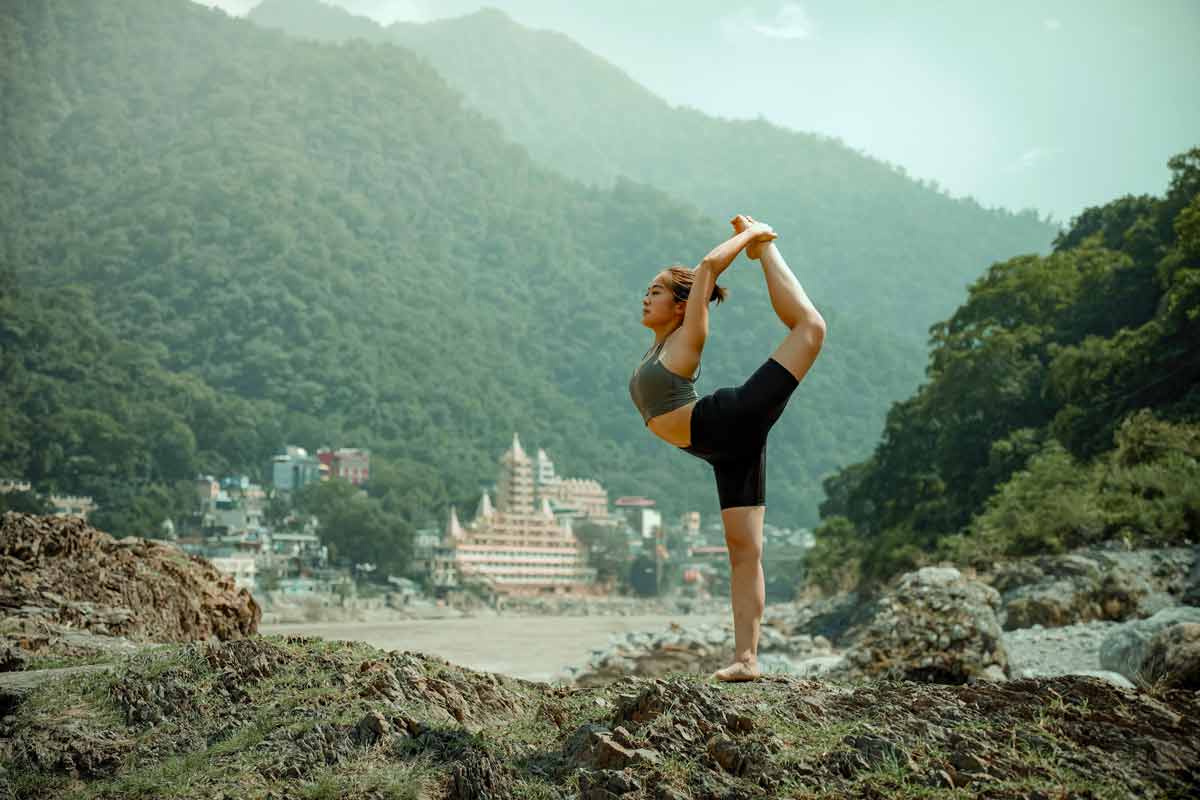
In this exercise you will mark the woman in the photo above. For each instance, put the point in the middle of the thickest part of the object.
(727, 428)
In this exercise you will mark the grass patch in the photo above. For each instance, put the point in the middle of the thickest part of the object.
(36, 785)
(83, 696)
(408, 781)
(61, 662)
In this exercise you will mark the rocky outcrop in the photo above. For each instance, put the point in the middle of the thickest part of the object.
(1126, 648)
(933, 625)
(58, 573)
(1054, 591)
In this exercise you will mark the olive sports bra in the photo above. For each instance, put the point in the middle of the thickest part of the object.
(656, 390)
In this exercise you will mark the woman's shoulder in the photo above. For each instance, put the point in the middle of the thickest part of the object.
(670, 361)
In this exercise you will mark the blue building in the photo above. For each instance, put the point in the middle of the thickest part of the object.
(293, 469)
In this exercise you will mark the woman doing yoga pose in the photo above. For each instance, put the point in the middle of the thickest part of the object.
(729, 427)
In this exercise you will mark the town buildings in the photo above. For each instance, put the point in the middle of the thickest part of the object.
(61, 505)
(641, 516)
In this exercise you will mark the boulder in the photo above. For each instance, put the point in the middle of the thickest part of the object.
(1125, 649)
(1173, 657)
(1078, 595)
(817, 666)
(1009, 575)
(1190, 590)
(935, 625)
(1062, 602)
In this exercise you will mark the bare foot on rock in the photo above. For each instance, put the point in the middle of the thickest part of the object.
(739, 671)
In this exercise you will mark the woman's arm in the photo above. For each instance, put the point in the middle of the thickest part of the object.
(688, 341)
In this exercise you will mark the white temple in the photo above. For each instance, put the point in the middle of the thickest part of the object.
(517, 546)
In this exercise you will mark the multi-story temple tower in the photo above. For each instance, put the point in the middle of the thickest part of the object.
(514, 485)
(516, 546)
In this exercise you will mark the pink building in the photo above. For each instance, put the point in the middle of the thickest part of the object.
(349, 464)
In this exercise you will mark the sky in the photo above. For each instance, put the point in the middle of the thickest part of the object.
(1054, 105)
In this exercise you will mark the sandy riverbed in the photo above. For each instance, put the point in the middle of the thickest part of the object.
(534, 648)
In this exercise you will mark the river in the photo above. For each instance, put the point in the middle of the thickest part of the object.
(535, 648)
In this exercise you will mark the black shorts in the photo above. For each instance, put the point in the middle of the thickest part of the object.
(729, 431)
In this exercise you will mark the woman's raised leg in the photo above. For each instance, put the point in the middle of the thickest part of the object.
(748, 589)
(806, 326)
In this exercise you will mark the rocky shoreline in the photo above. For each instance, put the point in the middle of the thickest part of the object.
(943, 625)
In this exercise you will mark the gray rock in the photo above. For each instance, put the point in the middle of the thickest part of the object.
(1173, 657)
(1156, 601)
(993, 673)
(1066, 601)
(934, 625)
(818, 665)
(1124, 649)
(1069, 566)
(935, 576)
(1191, 584)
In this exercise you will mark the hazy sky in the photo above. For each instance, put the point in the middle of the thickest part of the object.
(1053, 105)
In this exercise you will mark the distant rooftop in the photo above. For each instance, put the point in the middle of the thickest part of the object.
(644, 502)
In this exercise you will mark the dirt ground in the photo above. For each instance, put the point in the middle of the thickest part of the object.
(534, 648)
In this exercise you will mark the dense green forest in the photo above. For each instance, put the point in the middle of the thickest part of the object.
(1061, 407)
(325, 244)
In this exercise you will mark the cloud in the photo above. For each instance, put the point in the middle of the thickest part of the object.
(1052, 24)
(791, 21)
(1032, 158)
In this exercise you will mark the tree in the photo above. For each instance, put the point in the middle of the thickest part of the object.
(24, 502)
(607, 550)
(643, 576)
(355, 526)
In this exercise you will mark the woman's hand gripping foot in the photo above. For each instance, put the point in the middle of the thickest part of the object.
(743, 222)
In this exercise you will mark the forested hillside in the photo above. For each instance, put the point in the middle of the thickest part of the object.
(1062, 405)
(325, 245)
(864, 236)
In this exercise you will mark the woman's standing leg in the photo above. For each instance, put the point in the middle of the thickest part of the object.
(748, 591)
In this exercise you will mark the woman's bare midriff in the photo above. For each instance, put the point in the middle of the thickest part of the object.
(675, 426)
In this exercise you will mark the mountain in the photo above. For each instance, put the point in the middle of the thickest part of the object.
(325, 239)
(860, 233)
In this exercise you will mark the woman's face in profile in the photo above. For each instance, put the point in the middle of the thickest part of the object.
(659, 306)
